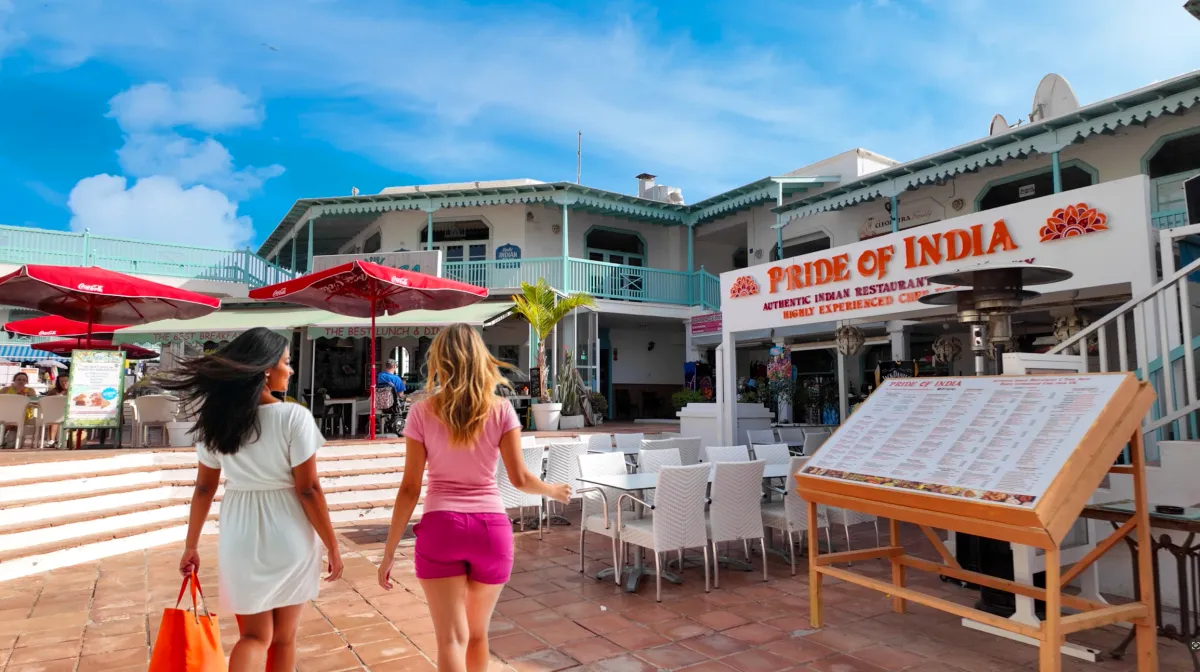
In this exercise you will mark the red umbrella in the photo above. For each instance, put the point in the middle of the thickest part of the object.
(53, 325)
(363, 289)
(65, 348)
(97, 296)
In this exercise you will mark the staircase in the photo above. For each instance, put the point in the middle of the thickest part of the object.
(67, 512)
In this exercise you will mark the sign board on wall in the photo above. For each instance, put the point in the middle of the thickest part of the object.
(380, 332)
(706, 324)
(96, 389)
(1100, 233)
(215, 336)
(1000, 440)
(423, 261)
(916, 212)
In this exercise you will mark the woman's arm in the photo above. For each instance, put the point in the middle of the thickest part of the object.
(520, 476)
(406, 502)
(312, 500)
(207, 481)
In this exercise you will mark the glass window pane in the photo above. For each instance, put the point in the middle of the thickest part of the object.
(477, 253)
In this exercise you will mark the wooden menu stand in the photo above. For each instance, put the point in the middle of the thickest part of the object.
(1043, 526)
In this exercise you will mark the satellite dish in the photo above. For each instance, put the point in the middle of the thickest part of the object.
(1053, 98)
(999, 125)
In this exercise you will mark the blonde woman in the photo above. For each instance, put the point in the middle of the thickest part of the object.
(464, 550)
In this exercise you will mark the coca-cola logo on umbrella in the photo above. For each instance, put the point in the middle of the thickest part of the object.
(99, 289)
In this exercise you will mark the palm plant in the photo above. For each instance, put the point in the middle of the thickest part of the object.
(543, 308)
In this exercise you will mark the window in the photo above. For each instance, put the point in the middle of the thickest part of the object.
(1175, 161)
(615, 246)
(1035, 185)
(803, 247)
(373, 243)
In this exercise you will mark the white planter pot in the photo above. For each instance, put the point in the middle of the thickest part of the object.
(570, 422)
(545, 417)
(178, 434)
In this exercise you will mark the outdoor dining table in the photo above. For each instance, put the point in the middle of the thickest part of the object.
(355, 405)
(638, 482)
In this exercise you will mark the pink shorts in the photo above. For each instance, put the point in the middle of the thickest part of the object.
(477, 545)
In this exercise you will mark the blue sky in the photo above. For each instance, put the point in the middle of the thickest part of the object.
(201, 121)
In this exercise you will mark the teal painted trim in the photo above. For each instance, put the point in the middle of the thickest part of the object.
(691, 235)
(895, 215)
(566, 254)
(293, 253)
(1168, 219)
(429, 231)
(1076, 163)
(1162, 140)
(312, 224)
(1056, 171)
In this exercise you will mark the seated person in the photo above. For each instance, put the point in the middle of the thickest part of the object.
(389, 377)
(19, 386)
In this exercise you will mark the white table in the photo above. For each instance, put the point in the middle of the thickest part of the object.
(356, 406)
(636, 482)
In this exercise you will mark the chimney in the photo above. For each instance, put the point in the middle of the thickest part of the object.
(645, 184)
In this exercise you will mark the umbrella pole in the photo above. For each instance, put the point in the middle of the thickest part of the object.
(91, 319)
(371, 421)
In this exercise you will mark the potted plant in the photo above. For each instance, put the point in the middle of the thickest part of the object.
(573, 395)
(599, 407)
(543, 308)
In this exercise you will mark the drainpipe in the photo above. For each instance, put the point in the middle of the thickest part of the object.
(1056, 172)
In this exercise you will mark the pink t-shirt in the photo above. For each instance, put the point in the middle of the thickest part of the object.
(460, 479)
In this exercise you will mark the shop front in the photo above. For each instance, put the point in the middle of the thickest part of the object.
(849, 316)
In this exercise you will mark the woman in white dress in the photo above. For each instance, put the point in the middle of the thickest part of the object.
(273, 514)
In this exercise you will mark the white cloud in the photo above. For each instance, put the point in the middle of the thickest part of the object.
(158, 208)
(203, 104)
(191, 162)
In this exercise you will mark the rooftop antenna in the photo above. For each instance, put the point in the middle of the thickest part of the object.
(1053, 98)
(578, 156)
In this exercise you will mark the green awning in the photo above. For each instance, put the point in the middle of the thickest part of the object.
(410, 324)
(222, 325)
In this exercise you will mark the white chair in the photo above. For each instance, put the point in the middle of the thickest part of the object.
(735, 509)
(52, 411)
(846, 518)
(791, 515)
(152, 410)
(760, 436)
(629, 443)
(652, 462)
(689, 449)
(813, 441)
(562, 466)
(727, 454)
(677, 521)
(772, 453)
(599, 443)
(598, 508)
(510, 496)
(792, 436)
(13, 409)
(659, 444)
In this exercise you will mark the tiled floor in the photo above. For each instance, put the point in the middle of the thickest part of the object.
(104, 616)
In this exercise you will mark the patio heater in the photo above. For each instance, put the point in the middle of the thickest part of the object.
(985, 298)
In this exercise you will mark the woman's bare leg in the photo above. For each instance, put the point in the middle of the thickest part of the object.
(251, 648)
(447, 606)
(281, 655)
(481, 601)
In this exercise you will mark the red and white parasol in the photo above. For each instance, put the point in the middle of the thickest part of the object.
(60, 327)
(363, 289)
(65, 348)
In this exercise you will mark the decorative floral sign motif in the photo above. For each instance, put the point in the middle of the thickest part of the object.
(1073, 220)
(743, 286)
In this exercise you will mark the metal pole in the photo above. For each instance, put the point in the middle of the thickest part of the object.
(578, 156)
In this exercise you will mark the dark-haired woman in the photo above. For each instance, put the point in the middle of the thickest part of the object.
(273, 514)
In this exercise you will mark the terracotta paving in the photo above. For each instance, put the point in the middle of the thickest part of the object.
(104, 616)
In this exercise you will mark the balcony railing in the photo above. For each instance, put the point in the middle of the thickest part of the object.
(20, 245)
(601, 279)
(1168, 219)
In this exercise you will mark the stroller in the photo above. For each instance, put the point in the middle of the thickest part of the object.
(391, 411)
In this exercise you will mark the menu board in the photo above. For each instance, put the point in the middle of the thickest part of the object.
(95, 390)
(996, 439)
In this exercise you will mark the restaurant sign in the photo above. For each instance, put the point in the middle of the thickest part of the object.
(380, 332)
(423, 261)
(709, 323)
(199, 337)
(1091, 232)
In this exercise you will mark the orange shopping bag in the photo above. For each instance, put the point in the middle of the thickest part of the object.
(188, 641)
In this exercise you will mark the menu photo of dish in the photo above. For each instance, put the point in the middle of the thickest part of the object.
(96, 389)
